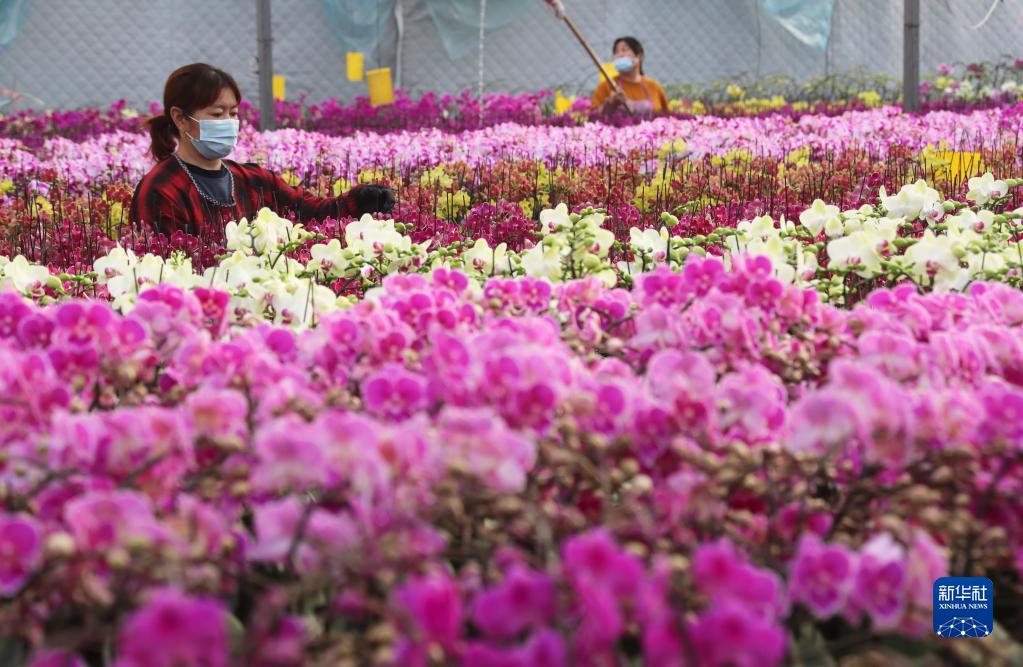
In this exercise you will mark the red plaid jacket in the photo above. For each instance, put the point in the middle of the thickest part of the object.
(167, 201)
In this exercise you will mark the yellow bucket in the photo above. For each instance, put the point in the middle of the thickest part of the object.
(381, 90)
(355, 63)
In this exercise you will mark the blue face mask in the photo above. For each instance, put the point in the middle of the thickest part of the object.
(624, 64)
(217, 137)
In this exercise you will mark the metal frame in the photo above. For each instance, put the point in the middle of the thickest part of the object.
(264, 36)
(911, 56)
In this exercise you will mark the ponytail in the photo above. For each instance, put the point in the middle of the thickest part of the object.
(164, 136)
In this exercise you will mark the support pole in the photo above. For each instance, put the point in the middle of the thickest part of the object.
(399, 20)
(911, 57)
(479, 69)
(266, 65)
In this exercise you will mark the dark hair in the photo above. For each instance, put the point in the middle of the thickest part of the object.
(190, 88)
(633, 44)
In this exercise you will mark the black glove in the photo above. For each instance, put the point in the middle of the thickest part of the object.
(374, 199)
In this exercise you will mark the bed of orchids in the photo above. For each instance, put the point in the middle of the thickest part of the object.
(951, 86)
(279, 271)
(709, 468)
(378, 451)
(65, 204)
(696, 392)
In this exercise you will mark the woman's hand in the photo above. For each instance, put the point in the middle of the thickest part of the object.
(615, 102)
(374, 199)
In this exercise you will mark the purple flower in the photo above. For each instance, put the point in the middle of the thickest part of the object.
(13, 309)
(717, 566)
(394, 393)
(722, 572)
(481, 654)
(282, 645)
(879, 590)
(821, 576)
(218, 414)
(20, 551)
(323, 535)
(822, 421)
(83, 323)
(601, 621)
(662, 643)
(173, 629)
(667, 288)
(55, 658)
(1003, 413)
(546, 648)
(206, 528)
(479, 440)
(290, 456)
(523, 600)
(432, 606)
(754, 403)
(99, 520)
(703, 274)
(729, 634)
(926, 562)
(593, 560)
(214, 304)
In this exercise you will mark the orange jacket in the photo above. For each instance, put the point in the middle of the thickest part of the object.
(638, 91)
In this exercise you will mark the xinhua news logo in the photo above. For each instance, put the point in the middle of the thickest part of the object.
(964, 607)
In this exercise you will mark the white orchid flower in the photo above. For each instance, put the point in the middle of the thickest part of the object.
(910, 201)
(553, 218)
(543, 261)
(985, 188)
(22, 275)
(488, 261)
(817, 217)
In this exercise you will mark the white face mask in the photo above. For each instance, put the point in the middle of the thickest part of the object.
(217, 137)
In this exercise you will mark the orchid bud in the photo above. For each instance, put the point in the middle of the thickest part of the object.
(60, 545)
(118, 559)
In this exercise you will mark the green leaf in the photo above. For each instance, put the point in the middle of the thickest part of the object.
(13, 651)
(810, 650)
(908, 646)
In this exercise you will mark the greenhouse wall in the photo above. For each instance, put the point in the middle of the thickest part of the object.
(76, 52)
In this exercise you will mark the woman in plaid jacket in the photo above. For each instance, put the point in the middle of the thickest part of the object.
(193, 189)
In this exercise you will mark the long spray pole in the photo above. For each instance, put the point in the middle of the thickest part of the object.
(559, 11)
